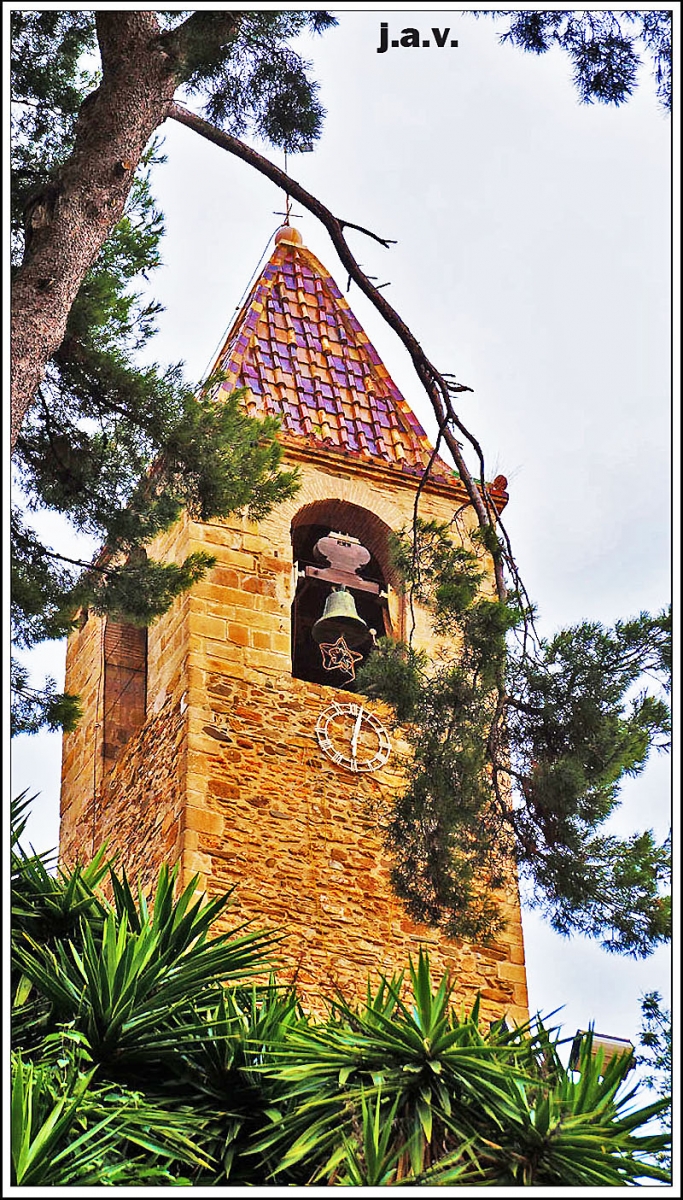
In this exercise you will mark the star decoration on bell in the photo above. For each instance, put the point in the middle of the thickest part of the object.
(337, 656)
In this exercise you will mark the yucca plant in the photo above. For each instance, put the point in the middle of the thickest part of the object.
(112, 999)
(414, 1093)
(69, 1130)
(142, 967)
(146, 1052)
(48, 903)
(371, 1159)
(224, 1070)
(440, 1071)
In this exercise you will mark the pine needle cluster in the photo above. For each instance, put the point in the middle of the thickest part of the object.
(519, 748)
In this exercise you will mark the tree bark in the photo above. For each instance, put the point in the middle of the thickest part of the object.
(69, 222)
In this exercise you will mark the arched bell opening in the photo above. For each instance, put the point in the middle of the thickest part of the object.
(340, 606)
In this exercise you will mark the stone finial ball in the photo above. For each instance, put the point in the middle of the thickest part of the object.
(287, 233)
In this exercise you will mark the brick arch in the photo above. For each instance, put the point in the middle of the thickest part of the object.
(346, 517)
(354, 489)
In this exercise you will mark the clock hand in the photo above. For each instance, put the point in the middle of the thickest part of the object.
(356, 731)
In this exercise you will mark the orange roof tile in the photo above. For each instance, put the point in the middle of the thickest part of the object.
(302, 354)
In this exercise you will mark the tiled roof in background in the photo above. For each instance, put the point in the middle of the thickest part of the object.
(302, 354)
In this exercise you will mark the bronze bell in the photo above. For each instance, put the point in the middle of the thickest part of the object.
(340, 619)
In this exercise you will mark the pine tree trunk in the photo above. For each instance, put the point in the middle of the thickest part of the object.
(72, 218)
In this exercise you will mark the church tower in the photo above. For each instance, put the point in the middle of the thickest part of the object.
(229, 736)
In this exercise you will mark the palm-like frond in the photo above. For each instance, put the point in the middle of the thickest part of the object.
(579, 1132)
(372, 1158)
(68, 1130)
(145, 966)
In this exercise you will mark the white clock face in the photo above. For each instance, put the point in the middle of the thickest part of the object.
(353, 737)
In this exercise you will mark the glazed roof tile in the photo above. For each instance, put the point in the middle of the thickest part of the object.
(299, 350)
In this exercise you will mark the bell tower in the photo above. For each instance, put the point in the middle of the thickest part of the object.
(232, 738)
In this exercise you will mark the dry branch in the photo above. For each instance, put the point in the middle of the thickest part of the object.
(434, 383)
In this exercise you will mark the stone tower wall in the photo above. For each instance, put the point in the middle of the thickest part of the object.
(250, 801)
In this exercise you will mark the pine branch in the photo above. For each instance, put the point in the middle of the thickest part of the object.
(79, 562)
(210, 29)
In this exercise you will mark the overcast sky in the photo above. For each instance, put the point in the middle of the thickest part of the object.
(533, 261)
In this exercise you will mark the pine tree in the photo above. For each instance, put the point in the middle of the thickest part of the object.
(655, 1056)
(116, 447)
(519, 748)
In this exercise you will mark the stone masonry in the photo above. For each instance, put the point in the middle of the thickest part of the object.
(226, 775)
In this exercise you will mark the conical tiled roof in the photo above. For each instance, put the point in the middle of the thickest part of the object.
(302, 354)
